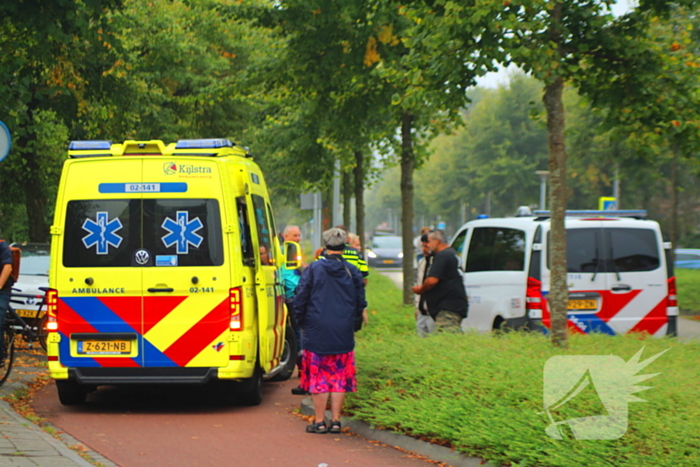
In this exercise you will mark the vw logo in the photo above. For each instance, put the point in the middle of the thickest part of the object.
(142, 257)
(30, 301)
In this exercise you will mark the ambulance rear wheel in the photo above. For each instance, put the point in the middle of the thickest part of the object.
(250, 391)
(289, 356)
(70, 392)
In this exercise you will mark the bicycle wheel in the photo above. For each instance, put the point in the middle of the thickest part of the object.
(41, 332)
(8, 344)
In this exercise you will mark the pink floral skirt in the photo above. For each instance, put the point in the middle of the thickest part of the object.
(328, 373)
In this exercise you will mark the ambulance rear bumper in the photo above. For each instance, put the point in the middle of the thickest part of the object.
(115, 376)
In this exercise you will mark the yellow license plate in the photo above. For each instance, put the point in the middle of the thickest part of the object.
(388, 261)
(104, 347)
(589, 304)
(30, 313)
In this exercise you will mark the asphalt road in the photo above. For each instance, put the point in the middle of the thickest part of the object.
(687, 328)
(170, 426)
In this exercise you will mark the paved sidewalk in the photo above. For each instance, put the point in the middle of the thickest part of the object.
(435, 453)
(22, 443)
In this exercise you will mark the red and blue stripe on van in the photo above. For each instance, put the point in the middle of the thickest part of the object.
(119, 315)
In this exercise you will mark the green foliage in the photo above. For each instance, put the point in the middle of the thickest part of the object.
(688, 283)
(482, 395)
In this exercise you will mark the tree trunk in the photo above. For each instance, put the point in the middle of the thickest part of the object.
(359, 173)
(408, 163)
(558, 291)
(673, 228)
(347, 197)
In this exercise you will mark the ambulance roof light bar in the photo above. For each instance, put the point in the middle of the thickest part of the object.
(214, 143)
(91, 148)
(633, 213)
(89, 145)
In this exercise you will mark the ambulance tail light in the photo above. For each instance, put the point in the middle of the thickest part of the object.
(672, 300)
(235, 298)
(52, 310)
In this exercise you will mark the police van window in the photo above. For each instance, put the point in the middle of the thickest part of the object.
(101, 233)
(584, 251)
(458, 242)
(244, 229)
(633, 249)
(264, 231)
(186, 232)
(496, 249)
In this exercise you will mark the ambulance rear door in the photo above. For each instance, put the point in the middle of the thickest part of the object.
(186, 280)
(98, 282)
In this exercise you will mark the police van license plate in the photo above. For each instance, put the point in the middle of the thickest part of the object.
(104, 347)
(388, 261)
(585, 305)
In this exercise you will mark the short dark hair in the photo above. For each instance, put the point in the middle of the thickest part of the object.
(424, 238)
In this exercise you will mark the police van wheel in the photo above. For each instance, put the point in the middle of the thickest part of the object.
(70, 392)
(250, 392)
(289, 356)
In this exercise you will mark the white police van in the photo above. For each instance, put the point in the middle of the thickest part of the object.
(620, 275)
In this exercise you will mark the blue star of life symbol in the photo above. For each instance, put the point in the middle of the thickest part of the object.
(182, 232)
(102, 233)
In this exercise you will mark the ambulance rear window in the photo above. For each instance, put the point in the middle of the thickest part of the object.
(176, 232)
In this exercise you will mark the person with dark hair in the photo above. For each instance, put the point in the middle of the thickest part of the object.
(329, 301)
(424, 322)
(6, 282)
(443, 287)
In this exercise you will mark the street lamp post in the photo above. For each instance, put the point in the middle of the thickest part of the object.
(543, 187)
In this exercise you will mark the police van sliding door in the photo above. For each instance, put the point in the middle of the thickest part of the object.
(270, 312)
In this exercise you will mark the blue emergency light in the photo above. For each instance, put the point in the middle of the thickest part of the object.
(90, 145)
(204, 143)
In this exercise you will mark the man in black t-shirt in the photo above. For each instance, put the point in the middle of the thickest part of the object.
(443, 287)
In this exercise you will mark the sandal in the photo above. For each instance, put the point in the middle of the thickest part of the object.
(335, 426)
(319, 428)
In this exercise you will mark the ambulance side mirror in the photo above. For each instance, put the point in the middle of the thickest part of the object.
(292, 251)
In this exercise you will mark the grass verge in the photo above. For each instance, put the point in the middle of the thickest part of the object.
(688, 283)
(483, 395)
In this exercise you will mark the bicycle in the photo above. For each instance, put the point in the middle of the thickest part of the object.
(15, 326)
(34, 318)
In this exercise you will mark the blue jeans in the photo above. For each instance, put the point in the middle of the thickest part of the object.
(4, 305)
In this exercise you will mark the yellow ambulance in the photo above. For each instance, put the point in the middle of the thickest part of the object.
(165, 269)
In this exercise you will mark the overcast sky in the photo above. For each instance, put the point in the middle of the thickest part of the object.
(492, 80)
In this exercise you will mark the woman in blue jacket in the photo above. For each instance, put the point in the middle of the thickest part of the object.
(329, 300)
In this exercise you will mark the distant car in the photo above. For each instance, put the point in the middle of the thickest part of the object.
(687, 258)
(33, 273)
(385, 252)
